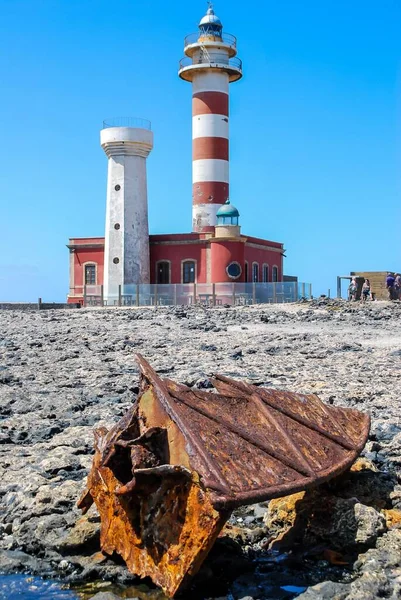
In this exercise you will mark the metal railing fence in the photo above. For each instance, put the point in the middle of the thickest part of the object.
(226, 38)
(206, 294)
(212, 60)
(135, 122)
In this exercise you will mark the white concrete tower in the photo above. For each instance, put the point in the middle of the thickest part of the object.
(210, 65)
(127, 143)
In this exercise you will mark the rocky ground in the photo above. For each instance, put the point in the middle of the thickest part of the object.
(63, 372)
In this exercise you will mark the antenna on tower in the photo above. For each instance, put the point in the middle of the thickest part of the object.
(210, 5)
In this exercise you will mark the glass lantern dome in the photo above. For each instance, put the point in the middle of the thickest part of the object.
(210, 24)
(227, 214)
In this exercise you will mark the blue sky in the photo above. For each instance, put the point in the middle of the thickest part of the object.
(315, 128)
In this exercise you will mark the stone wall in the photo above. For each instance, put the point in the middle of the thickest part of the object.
(27, 306)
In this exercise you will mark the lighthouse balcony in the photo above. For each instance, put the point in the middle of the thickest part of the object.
(225, 41)
(188, 67)
(134, 122)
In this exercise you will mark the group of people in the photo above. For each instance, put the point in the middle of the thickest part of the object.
(393, 286)
(366, 293)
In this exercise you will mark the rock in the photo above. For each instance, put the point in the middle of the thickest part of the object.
(15, 561)
(243, 534)
(315, 517)
(387, 554)
(48, 415)
(395, 497)
(209, 347)
(364, 482)
(259, 510)
(203, 383)
(105, 596)
(369, 524)
(251, 585)
(361, 464)
(392, 517)
(111, 596)
(281, 516)
(328, 590)
(84, 537)
(379, 575)
(385, 430)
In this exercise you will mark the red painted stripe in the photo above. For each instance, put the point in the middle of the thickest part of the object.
(210, 147)
(210, 103)
(205, 229)
(215, 192)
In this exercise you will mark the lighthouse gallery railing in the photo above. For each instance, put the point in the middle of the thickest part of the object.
(235, 63)
(227, 38)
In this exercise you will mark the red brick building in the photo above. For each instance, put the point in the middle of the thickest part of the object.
(184, 258)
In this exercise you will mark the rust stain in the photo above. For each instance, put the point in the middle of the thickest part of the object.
(166, 476)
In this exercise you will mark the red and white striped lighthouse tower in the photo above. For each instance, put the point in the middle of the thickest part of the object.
(210, 65)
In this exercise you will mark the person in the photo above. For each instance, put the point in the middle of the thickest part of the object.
(365, 290)
(390, 285)
(397, 286)
(352, 290)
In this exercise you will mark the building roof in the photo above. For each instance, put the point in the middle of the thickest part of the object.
(210, 17)
(227, 210)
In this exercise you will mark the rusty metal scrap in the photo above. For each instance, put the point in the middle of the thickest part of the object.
(165, 478)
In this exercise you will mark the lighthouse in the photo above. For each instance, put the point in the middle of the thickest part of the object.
(216, 251)
(127, 143)
(210, 64)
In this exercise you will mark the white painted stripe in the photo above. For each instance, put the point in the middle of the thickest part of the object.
(204, 215)
(209, 126)
(210, 82)
(214, 55)
(210, 169)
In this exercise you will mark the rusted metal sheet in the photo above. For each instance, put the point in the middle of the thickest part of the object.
(166, 476)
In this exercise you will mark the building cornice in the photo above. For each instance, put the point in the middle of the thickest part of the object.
(84, 246)
(177, 242)
(92, 237)
(204, 241)
(262, 247)
(241, 240)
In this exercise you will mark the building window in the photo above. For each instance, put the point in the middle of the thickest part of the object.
(255, 272)
(90, 274)
(234, 270)
(246, 272)
(265, 273)
(224, 220)
(188, 271)
(163, 272)
(275, 274)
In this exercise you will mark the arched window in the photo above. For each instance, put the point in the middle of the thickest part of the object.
(246, 272)
(90, 274)
(188, 271)
(163, 271)
(255, 272)
(265, 273)
(275, 274)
